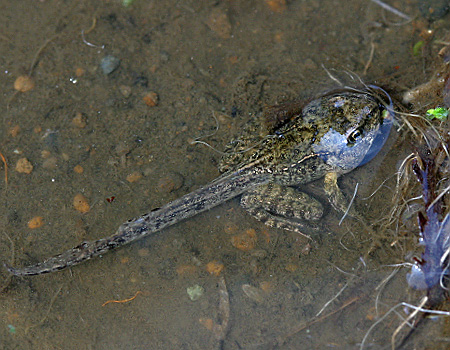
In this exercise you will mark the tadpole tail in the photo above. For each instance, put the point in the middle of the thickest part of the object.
(193, 203)
(84, 251)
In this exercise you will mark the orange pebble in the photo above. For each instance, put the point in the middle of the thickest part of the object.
(36, 222)
(79, 72)
(291, 267)
(277, 6)
(266, 286)
(214, 267)
(14, 131)
(245, 241)
(219, 22)
(45, 154)
(24, 83)
(151, 99)
(79, 120)
(278, 37)
(136, 176)
(208, 323)
(80, 203)
(24, 166)
(78, 169)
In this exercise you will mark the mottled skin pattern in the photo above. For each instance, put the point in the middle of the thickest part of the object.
(287, 146)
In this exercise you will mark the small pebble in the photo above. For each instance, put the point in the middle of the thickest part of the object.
(24, 166)
(133, 177)
(164, 56)
(215, 268)
(79, 72)
(266, 286)
(151, 99)
(45, 154)
(109, 64)
(79, 121)
(170, 183)
(306, 249)
(24, 83)
(208, 323)
(147, 171)
(125, 90)
(245, 241)
(291, 267)
(36, 222)
(14, 131)
(78, 169)
(277, 6)
(219, 23)
(50, 163)
(278, 37)
(81, 203)
(310, 64)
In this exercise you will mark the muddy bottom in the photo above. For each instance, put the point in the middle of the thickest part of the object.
(111, 105)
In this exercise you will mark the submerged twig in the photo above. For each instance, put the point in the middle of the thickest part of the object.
(123, 300)
(369, 61)
(332, 299)
(392, 9)
(220, 329)
(303, 325)
(6, 168)
(350, 204)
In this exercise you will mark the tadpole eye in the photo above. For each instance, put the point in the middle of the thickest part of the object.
(353, 137)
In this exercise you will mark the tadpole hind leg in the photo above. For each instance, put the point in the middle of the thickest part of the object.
(283, 207)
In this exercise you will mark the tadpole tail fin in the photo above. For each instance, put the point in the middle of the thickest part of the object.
(74, 256)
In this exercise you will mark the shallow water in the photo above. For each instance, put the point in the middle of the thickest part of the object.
(202, 59)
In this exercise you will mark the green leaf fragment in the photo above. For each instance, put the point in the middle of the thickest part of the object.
(417, 48)
(439, 113)
(127, 3)
(12, 329)
(195, 292)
